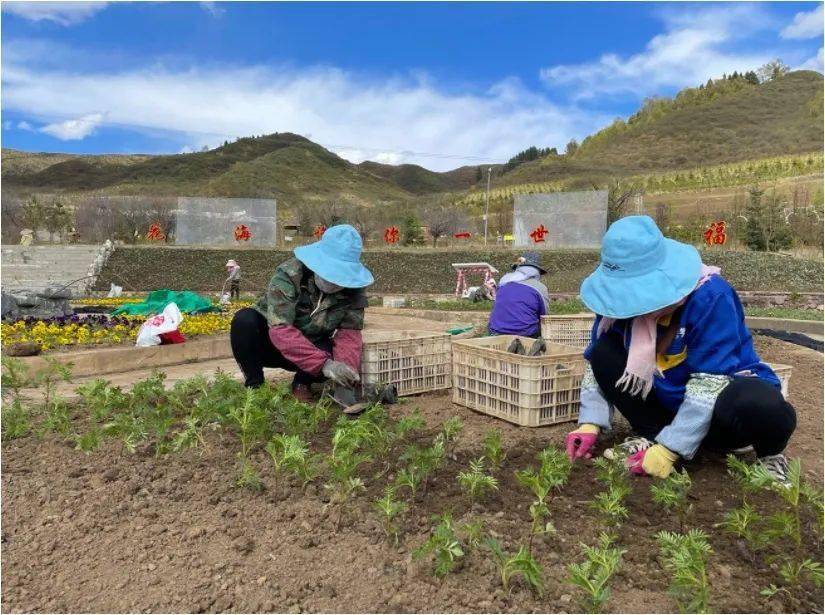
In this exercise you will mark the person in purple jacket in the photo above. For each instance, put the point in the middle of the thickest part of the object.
(521, 299)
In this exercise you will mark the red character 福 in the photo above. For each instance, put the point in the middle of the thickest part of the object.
(716, 234)
(538, 233)
(319, 231)
(242, 233)
(155, 234)
(391, 235)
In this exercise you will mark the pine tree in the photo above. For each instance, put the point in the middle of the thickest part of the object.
(766, 229)
(411, 231)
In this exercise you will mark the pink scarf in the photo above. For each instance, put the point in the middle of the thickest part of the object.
(637, 378)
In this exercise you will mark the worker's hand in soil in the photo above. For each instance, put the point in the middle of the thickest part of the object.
(654, 461)
(580, 442)
(341, 373)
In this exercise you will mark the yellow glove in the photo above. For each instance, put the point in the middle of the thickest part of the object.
(655, 461)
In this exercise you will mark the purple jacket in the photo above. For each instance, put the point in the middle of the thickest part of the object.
(519, 307)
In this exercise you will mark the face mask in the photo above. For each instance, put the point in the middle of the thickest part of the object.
(325, 286)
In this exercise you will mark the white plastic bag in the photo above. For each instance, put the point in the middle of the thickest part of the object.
(115, 290)
(225, 299)
(165, 322)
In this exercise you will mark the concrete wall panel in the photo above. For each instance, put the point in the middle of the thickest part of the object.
(212, 221)
(572, 219)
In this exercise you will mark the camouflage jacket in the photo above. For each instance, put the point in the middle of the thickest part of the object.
(291, 298)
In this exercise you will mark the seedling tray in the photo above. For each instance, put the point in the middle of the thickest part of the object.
(527, 391)
(568, 329)
(414, 361)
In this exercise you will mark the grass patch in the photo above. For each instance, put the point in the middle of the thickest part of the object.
(783, 312)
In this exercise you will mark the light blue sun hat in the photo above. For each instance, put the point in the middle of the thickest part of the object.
(641, 270)
(336, 257)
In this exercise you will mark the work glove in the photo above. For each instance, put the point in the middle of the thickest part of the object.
(340, 373)
(580, 442)
(654, 461)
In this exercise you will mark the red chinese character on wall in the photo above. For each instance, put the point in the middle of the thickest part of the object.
(392, 235)
(319, 231)
(242, 233)
(155, 233)
(464, 235)
(716, 234)
(538, 233)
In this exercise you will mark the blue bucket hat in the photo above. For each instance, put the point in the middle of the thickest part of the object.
(336, 257)
(641, 271)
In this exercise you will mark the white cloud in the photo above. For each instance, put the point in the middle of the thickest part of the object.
(361, 118)
(74, 130)
(213, 8)
(695, 46)
(7, 125)
(814, 63)
(805, 25)
(24, 125)
(63, 13)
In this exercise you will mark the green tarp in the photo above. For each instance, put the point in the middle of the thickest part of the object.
(188, 303)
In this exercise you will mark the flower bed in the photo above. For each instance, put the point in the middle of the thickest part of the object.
(73, 331)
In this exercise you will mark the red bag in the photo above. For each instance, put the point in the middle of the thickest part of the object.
(172, 337)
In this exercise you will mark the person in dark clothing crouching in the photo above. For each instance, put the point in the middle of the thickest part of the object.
(310, 318)
(671, 352)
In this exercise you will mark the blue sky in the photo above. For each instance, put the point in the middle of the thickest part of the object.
(439, 85)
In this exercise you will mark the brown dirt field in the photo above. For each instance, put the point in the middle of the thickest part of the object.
(125, 533)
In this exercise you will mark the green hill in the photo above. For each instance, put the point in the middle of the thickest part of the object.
(728, 120)
(281, 165)
(418, 180)
(717, 123)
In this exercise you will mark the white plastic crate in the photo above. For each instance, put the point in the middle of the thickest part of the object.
(568, 329)
(527, 391)
(783, 372)
(414, 361)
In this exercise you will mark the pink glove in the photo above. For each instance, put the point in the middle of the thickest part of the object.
(579, 443)
(634, 463)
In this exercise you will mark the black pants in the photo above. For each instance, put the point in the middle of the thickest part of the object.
(235, 289)
(249, 337)
(749, 411)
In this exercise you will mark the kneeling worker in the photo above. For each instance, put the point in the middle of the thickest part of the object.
(309, 320)
(521, 299)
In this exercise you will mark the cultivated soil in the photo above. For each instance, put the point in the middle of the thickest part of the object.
(117, 532)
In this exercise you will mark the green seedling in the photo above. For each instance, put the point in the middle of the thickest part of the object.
(552, 474)
(794, 573)
(56, 416)
(343, 462)
(248, 477)
(390, 509)
(252, 424)
(89, 441)
(522, 564)
(672, 493)
(15, 377)
(475, 482)
(685, 557)
(291, 453)
(127, 428)
(450, 430)
(421, 463)
(473, 532)
(610, 503)
(16, 420)
(744, 523)
(102, 400)
(493, 449)
(594, 573)
(444, 545)
(190, 436)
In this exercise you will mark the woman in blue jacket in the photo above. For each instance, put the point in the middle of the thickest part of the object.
(671, 352)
